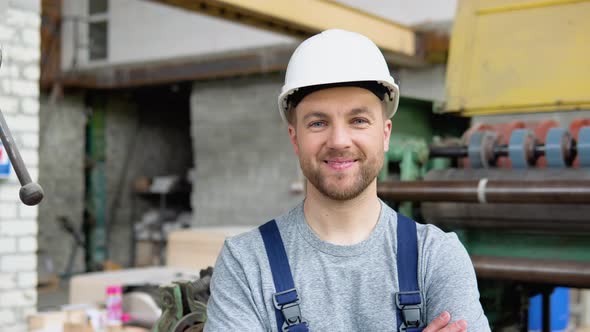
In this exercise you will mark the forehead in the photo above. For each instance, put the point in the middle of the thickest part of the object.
(339, 99)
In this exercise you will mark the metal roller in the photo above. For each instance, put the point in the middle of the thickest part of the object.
(564, 273)
(480, 150)
(584, 147)
(521, 148)
(558, 147)
(553, 217)
(488, 191)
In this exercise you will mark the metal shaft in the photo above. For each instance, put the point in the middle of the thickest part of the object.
(492, 191)
(565, 273)
(13, 153)
(460, 151)
(30, 193)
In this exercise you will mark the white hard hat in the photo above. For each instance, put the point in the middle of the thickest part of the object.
(338, 57)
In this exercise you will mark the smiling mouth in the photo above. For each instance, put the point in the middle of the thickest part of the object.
(340, 164)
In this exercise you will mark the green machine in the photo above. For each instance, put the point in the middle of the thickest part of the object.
(524, 227)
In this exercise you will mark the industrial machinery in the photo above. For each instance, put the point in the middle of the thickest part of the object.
(517, 192)
(515, 187)
(184, 305)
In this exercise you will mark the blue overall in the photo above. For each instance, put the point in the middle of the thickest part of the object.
(286, 300)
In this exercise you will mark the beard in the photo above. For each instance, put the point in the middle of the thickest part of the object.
(346, 185)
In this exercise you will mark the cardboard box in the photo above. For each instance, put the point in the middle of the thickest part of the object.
(91, 287)
(146, 253)
(198, 248)
(56, 319)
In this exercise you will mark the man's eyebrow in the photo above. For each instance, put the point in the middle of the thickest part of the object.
(359, 110)
(315, 115)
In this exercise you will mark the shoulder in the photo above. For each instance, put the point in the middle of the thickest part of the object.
(435, 246)
(250, 244)
(432, 237)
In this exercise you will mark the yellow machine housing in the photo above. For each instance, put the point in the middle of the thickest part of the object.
(516, 56)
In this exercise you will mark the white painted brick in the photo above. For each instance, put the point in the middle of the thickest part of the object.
(22, 122)
(9, 70)
(7, 210)
(30, 141)
(29, 212)
(33, 172)
(8, 192)
(27, 279)
(27, 5)
(6, 86)
(31, 72)
(30, 156)
(21, 18)
(24, 88)
(19, 53)
(32, 37)
(28, 311)
(18, 298)
(17, 263)
(18, 227)
(30, 106)
(12, 178)
(7, 245)
(8, 105)
(18, 327)
(7, 317)
(27, 244)
(6, 33)
(7, 280)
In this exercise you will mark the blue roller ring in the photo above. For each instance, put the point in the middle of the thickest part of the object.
(519, 148)
(478, 150)
(557, 145)
(584, 147)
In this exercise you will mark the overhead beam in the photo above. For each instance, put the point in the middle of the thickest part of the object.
(303, 18)
(268, 60)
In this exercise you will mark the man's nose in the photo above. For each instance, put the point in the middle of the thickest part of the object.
(339, 137)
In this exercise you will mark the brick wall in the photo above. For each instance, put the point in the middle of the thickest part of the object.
(19, 101)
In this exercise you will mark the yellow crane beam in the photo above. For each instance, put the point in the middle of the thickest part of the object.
(303, 18)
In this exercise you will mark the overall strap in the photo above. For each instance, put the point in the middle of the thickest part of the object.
(408, 300)
(285, 300)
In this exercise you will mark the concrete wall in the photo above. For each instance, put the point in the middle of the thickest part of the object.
(147, 134)
(61, 173)
(19, 101)
(244, 161)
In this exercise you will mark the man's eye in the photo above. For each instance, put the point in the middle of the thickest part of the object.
(317, 124)
(360, 121)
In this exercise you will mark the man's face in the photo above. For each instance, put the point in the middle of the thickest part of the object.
(340, 136)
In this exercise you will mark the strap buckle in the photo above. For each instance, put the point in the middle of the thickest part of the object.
(288, 303)
(410, 305)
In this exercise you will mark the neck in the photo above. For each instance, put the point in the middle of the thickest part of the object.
(342, 222)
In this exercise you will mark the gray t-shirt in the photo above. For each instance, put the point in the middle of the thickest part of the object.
(342, 288)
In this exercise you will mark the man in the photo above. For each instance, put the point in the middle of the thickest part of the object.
(341, 255)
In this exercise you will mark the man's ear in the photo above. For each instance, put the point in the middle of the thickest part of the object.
(293, 138)
(386, 134)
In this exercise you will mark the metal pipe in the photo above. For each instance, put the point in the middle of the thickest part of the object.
(488, 191)
(460, 151)
(447, 151)
(30, 193)
(563, 273)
